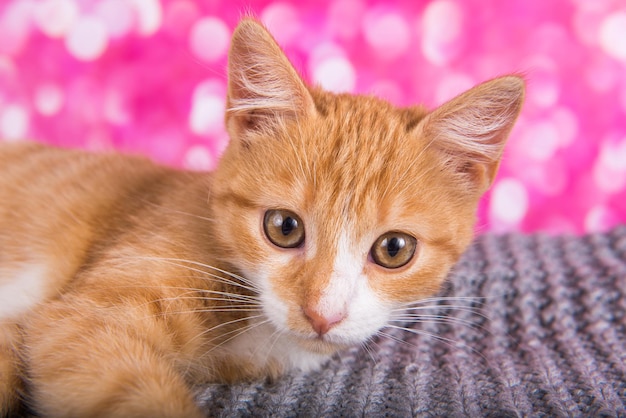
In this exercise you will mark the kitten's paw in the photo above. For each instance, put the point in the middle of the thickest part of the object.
(9, 399)
(10, 382)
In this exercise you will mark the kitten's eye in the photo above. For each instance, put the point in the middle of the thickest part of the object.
(393, 249)
(284, 229)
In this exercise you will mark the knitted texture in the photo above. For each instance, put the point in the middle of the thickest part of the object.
(527, 326)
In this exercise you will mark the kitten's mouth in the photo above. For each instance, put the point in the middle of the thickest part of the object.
(321, 344)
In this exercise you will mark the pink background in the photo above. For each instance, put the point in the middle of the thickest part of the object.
(148, 76)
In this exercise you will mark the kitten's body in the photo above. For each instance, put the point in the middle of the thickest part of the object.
(123, 283)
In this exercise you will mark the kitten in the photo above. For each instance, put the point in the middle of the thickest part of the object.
(123, 283)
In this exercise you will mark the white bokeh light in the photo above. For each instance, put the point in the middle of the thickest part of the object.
(609, 170)
(442, 27)
(509, 202)
(613, 35)
(283, 21)
(335, 74)
(55, 17)
(209, 39)
(149, 15)
(207, 110)
(199, 158)
(541, 140)
(87, 39)
(117, 15)
(613, 154)
(14, 123)
(600, 218)
(48, 99)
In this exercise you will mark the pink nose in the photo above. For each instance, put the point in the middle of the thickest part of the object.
(322, 323)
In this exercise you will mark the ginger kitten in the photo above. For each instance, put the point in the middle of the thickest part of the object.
(123, 283)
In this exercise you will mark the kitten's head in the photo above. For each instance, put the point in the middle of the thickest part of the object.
(342, 208)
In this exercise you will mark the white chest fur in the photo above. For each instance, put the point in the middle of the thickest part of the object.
(21, 289)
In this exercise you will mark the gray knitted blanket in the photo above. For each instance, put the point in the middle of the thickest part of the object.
(530, 326)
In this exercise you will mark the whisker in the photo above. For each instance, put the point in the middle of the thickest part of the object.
(411, 308)
(435, 306)
(177, 262)
(227, 297)
(238, 332)
(191, 290)
(453, 309)
(369, 350)
(447, 341)
(234, 308)
(196, 263)
(435, 319)
(384, 334)
(447, 321)
(180, 212)
(223, 324)
(234, 321)
(226, 309)
(458, 308)
(274, 339)
(437, 301)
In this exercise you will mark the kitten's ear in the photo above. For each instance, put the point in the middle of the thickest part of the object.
(472, 128)
(264, 89)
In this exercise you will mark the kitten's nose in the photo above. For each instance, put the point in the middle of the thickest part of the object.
(322, 323)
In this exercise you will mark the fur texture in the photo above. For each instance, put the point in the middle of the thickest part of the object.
(124, 283)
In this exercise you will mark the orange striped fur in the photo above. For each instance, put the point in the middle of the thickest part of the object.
(123, 283)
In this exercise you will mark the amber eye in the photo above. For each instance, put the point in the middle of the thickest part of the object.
(393, 249)
(283, 228)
